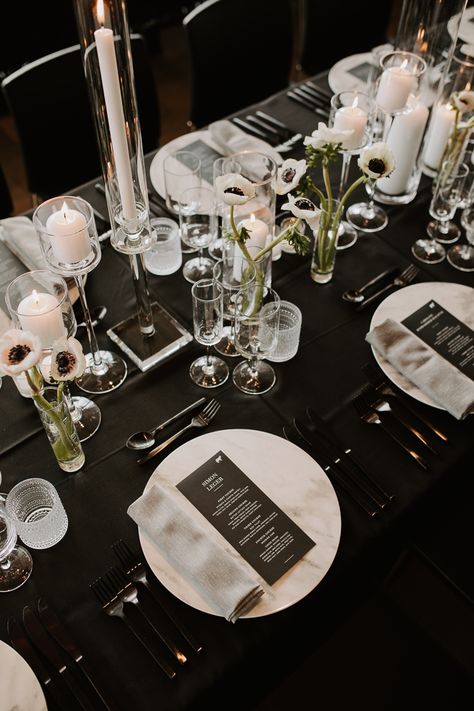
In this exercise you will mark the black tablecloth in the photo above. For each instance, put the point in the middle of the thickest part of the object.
(326, 374)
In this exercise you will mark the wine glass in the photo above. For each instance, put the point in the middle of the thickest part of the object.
(257, 318)
(181, 170)
(15, 561)
(198, 223)
(208, 371)
(461, 256)
(443, 205)
(234, 272)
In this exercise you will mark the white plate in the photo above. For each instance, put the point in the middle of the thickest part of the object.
(156, 166)
(340, 78)
(291, 478)
(455, 298)
(20, 690)
(466, 26)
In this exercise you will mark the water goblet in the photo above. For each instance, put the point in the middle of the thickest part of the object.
(208, 371)
(15, 561)
(257, 317)
(181, 170)
(198, 223)
(68, 236)
(234, 272)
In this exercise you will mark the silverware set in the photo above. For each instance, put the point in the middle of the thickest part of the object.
(269, 129)
(390, 279)
(44, 642)
(339, 462)
(378, 404)
(118, 593)
(312, 97)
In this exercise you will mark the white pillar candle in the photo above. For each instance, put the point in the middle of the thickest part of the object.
(104, 38)
(404, 140)
(351, 118)
(441, 123)
(395, 86)
(257, 229)
(69, 236)
(41, 314)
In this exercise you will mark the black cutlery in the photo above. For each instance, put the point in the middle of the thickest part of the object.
(382, 385)
(372, 417)
(357, 296)
(272, 130)
(44, 644)
(253, 130)
(23, 646)
(313, 96)
(324, 92)
(345, 453)
(285, 130)
(292, 435)
(401, 280)
(63, 637)
(303, 102)
(137, 572)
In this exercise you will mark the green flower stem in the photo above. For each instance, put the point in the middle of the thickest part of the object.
(318, 192)
(236, 232)
(276, 241)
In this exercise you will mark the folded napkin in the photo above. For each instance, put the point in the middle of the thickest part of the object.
(225, 584)
(430, 372)
(231, 139)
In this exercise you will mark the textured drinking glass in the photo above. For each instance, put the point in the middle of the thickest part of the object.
(37, 512)
(15, 561)
(288, 333)
(165, 256)
(208, 371)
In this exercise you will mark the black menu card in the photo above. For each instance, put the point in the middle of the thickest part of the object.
(445, 334)
(251, 522)
(207, 156)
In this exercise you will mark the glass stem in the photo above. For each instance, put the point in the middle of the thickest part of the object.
(346, 162)
(144, 314)
(97, 367)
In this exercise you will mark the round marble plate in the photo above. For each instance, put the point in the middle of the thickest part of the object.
(19, 688)
(455, 298)
(156, 166)
(340, 78)
(466, 26)
(291, 478)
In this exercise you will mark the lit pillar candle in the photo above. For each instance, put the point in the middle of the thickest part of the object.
(395, 86)
(41, 314)
(70, 241)
(404, 140)
(104, 38)
(258, 231)
(351, 118)
(442, 121)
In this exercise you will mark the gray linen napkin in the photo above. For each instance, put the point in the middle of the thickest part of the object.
(430, 372)
(231, 139)
(221, 581)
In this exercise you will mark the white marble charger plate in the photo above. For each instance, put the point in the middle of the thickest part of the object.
(455, 298)
(290, 477)
(339, 77)
(20, 690)
(466, 26)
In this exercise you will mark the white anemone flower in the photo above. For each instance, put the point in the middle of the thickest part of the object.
(67, 359)
(324, 136)
(463, 101)
(234, 189)
(289, 175)
(304, 209)
(376, 161)
(19, 351)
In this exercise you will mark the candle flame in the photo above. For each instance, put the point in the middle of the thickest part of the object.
(100, 12)
(252, 217)
(355, 103)
(34, 296)
(66, 212)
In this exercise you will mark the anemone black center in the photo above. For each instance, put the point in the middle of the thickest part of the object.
(18, 353)
(377, 165)
(304, 204)
(234, 190)
(288, 175)
(65, 362)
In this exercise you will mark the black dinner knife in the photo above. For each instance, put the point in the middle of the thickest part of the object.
(43, 643)
(22, 645)
(62, 636)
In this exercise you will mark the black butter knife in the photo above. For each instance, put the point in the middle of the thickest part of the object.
(43, 643)
(22, 645)
(62, 636)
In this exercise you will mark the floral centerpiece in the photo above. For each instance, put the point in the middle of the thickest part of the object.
(21, 353)
(324, 146)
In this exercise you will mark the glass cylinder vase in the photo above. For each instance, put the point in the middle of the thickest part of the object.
(60, 430)
(324, 248)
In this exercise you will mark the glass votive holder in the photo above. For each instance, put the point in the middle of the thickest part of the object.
(37, 512)
(39, 302)
(400, 78)
(288, 333)
(164, 256)
(68, 234)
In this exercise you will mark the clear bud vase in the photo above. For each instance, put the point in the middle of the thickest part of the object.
(60, 430)
(324, 249)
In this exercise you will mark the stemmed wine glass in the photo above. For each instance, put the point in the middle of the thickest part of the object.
(15, 561)
(208, 371)
(69, 241)
(461, 256)
(198, 224)
(443, 205)
(181, 170)
(257, 318)
(234, 273)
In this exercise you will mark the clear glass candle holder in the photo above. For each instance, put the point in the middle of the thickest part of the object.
(399, 78)
(39, 302)
(37, 512)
